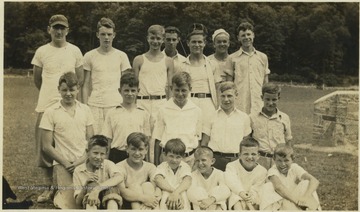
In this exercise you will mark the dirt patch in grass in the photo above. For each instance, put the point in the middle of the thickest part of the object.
(337, 173)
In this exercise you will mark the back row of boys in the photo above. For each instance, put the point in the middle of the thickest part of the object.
(177, 118)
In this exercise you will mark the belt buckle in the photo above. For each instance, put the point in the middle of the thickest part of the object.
(201, 95)
(153, 97)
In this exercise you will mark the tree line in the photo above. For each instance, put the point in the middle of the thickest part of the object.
(304, 41)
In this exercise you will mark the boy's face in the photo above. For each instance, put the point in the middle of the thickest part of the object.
(173, 160)
(270, 101)
(58, 33)
(196, 44)
(227, 99)
(106, 36)
(180, 93)
(155, 40)
(249, 156)
(68, 95)
(204, 163)
(171, 41)
(221, 43)
(128, 93)
(137, 155)
(246, 38)
(96, 155)
(283, 163)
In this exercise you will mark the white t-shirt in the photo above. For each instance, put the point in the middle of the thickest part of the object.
(105, 76)
(54, 62)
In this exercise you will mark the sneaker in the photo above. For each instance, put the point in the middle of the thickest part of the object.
(45, 196)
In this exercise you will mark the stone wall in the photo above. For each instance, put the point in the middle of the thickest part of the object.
(336, 119)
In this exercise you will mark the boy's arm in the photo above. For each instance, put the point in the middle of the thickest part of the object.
(86, 87)
(37, 76)
(229, 71)
(232, 181)
(184, 185)
(134, 196)
(111, 182)
(138, 61)
(89, 132)
(47, 147)
(313, 183)
(205, 140)
(79, 71)
(163, 184)
(170, 73)
(282, 190)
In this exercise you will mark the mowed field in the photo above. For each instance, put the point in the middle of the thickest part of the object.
(337, 173)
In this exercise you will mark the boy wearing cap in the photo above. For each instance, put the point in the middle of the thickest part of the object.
(103, 67)
(172, 38)
(67, 124)
(154, 71)
(249, 69)
(49, 63)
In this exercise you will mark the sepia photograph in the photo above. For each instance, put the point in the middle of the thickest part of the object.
(159, 105)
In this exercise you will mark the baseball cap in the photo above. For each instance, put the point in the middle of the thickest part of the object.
(219, 31)
(58, 19)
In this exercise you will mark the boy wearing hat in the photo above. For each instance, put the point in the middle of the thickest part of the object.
(50, 62)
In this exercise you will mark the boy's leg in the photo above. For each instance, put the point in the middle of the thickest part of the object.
(111, 199)
(195, 194)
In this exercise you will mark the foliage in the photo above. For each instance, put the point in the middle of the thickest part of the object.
(304, 39)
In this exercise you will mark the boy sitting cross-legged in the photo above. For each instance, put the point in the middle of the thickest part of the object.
(173, 176)
(245, 177)
(95, 180)
(290, 186)
(208, 190)
(137, 186)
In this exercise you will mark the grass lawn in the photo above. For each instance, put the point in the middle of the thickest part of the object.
(338, 174)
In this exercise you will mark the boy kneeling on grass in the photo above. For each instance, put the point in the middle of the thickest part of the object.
(290, 186)
(96, 180)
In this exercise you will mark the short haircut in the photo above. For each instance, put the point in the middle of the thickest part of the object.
(283, 150)
(136, 138)
(197, 29)
(129, 79)
(271, 88)
(156, 29)
(175, 146)
(248, 142)
(98, 140)
(244, 26)
(172, 29)
(106, 22)
(227, 85)
(69, 78)
(204, 150)
(181, 78)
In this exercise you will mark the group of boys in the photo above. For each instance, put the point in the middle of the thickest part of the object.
(101, 151)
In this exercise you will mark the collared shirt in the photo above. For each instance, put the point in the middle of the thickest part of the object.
(270, 131)
(121, 122)
(212, 72)
(133, 176)
(249, 72)
(69, 132)
(105, 76)
(178, 59)
(215, 179)
(54, 62)
(153, 77)
(107, 170)
(292, 178)
(227, 131)
(175, 122)
(174, 179)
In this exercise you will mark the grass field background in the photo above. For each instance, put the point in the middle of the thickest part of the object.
(337, 173)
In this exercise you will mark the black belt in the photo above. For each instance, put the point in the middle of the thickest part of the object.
(201, 95)
(227, 155)
(265, 154)
(186, 154)
(152, 97)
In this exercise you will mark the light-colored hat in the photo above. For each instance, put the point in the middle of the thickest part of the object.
(219, 31)
(58, 19)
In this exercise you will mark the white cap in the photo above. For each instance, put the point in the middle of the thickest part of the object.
(219, 31)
